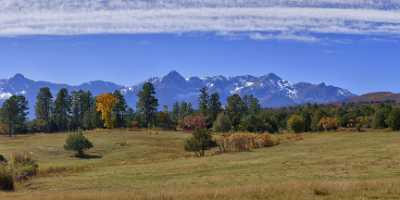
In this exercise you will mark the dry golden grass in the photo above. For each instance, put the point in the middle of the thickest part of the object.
(139, 165)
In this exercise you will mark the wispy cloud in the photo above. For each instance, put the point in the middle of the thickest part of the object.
(297, 20)
(284, 36)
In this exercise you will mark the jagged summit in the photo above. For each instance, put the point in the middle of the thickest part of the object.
(272, 90)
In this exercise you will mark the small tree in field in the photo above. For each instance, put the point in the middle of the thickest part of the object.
(200, 142)
(79, 143)
(296, 123)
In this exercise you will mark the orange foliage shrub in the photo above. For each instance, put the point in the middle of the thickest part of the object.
(240, 142)
(329, 123)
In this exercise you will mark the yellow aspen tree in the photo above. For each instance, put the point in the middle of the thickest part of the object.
(104, 105)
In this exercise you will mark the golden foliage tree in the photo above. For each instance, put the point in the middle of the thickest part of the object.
(104, 105)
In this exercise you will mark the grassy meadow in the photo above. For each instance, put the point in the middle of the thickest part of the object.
(138, 165)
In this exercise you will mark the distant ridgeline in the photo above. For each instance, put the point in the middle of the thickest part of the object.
(63, 110)
(377, 97)
(271, 90)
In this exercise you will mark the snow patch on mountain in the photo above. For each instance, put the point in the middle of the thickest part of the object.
(5, 95)
(271, 90)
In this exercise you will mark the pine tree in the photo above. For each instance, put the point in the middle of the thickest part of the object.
(222, 123)
(147, 105)
(62, 110)
(215, 107)
(13, 114)
(379, 120)
(82, 102)
(175, 115)
(235, 110)
(394, 119)
(204, 101)
(119, 110)
(44, 108)
(252, 104)
(130, 117)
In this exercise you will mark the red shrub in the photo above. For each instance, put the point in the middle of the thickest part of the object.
(193, 122)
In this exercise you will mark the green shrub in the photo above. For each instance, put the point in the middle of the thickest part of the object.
(3, 160)
(79, 143)
(199, 142)
(296, 123)
(6, 179)
(24, 166)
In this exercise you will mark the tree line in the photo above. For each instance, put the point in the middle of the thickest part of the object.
(81, 110)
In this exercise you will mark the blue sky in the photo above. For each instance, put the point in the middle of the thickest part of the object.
(348, 43)
(358, 64)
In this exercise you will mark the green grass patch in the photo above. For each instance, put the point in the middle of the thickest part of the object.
(137, 165)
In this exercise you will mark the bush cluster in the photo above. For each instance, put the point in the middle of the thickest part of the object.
(6, 179)
(240, 142)
(3, 160)
(21, 167)
(24, 166)
(193, 122)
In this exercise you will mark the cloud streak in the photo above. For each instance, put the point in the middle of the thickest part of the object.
(264, 20)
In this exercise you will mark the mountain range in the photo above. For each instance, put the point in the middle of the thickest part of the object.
(270, 89)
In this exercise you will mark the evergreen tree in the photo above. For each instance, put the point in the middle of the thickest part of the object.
(379, 120)
(186, 109)
(270, 121)
(204, 101)
(82, 103)
(222, 123)
(13, 114)
(252, 123)
(119, 110)
(175, 115)
(235, 110)
(147, 105)
(215, 107)
(394, 119)
(252, 104)
(62, 110)
(130, 117)
(307, 116)
(44, 108)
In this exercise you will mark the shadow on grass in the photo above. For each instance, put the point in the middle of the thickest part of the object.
(89, 157)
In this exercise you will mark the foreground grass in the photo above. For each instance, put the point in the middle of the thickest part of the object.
(136, 165)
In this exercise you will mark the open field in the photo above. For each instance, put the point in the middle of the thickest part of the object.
(136, 165)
